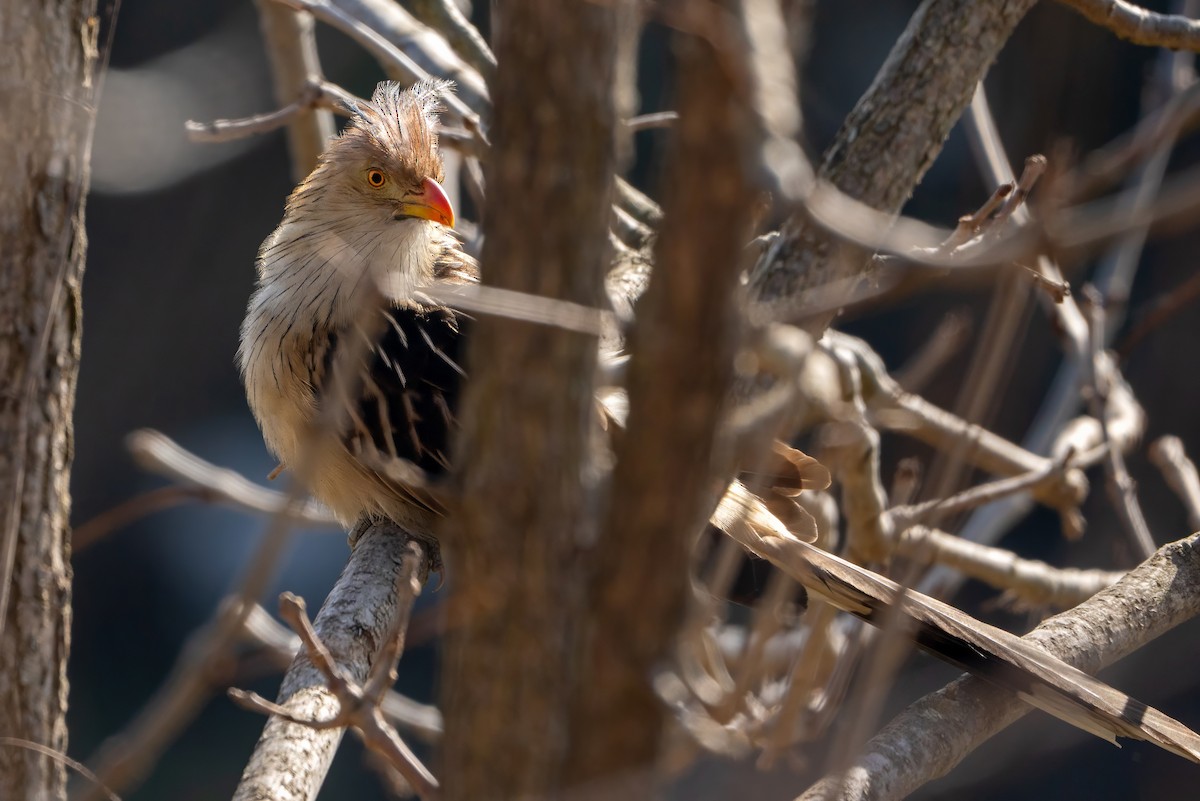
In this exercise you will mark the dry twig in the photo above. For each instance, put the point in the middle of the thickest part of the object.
(1180, 472)
(1139, 25)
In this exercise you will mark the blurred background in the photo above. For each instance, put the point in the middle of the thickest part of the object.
(174, 227)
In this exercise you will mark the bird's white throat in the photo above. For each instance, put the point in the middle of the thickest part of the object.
(330, 270)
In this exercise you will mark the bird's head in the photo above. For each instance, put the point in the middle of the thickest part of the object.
(372, 216)
(386, 163)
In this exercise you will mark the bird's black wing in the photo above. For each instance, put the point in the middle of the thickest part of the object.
(401, 386)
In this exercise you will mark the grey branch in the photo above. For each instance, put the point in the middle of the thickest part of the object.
(291, 45)
(465, 38)
(933, 735)
(1140, 26)
(158, 453)
(291, 759)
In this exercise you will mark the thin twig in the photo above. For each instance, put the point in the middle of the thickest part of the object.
(391, 56)
(157, 453)
(1169, 456)
(465, 38)
(941, 346)
(1161, 310)
(281, 646)
(1140, 26)
(891, 408)
(1027, 583)
(316, 94)
(59, 756)
(123, 514)
(291, 44)
(929, 511)
(647, 122)
(1121, 489)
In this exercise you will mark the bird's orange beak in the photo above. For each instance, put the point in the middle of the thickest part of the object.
(430, 203)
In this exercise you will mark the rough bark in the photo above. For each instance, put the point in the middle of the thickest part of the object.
(528, 414)
(47, 61)
(891, 137)
(290, 761)
(665, 480)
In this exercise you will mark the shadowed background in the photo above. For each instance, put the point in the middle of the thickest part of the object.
(174, 227)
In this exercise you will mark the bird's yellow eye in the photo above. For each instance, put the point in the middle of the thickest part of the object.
(376, 178)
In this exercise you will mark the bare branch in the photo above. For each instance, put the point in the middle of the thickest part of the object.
(1140, 26)
(1180, 472)
(291, 45)
(312, 95)
(1028, 583)
(158, 453)
(396, 61)
(464, 37)
(1103, 381)
(891, 137)
(933, 735)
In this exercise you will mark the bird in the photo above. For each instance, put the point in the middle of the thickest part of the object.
(342, 336)
(338, 323)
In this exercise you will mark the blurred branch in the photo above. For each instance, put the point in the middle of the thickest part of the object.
(125, 758)
(648, 122)
(465, 38)
(933, 735)
(1007, 315)
(317, 94)
(1161, 311)
(1027, 583)
(943, 344)
(1050, 430)
(875, 533)
(1102, 378)
(291, 44)
(1139, 25)
(395, 60)
(524, 453)
(1169, 456)
(974, 497)
(157, 453)
(361, 627)
(60, 757)
(892, 408)
(889, 140)
(427, 47)
(1158, 129)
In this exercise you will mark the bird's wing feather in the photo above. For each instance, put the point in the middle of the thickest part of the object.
(401, 396)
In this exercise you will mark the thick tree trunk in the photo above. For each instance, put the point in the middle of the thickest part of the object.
(47, 61)
(528, 411)
(665, 480)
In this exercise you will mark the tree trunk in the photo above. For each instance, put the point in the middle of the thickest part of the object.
(665, 480)
(528, 413)
(47, 91)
